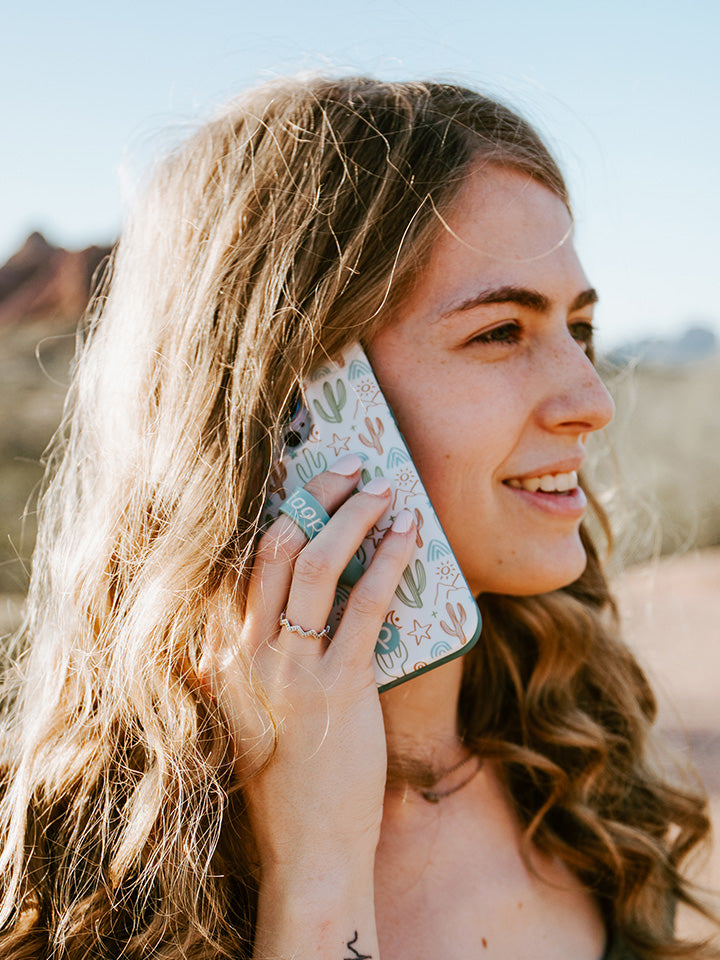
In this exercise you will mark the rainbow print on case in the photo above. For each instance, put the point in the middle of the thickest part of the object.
(434, 616)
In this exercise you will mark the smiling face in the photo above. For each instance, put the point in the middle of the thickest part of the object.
(485, 366)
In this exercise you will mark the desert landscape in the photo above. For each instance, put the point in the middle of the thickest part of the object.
(656, 472)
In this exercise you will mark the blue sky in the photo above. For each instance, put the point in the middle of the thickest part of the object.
(627, 93)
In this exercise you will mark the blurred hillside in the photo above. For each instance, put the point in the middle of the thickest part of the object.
(694, 343)
(43, 292)
(658, 467)
(42, 282)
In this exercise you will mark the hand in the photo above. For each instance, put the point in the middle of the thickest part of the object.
(315, 800)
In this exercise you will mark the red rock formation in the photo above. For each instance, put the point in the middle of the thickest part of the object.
(41, 281)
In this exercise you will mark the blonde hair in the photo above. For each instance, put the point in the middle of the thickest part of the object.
(283, 229)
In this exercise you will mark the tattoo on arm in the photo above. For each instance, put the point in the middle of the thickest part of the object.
(355, 954)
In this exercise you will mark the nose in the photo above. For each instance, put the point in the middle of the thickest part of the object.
(576, 401)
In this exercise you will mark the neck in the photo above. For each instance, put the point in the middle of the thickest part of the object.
(421, 725)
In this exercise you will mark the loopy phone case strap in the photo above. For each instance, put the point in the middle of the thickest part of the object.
(310, 515)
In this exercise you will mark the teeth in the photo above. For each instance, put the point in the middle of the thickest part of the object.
(566, 481)
(548, 483)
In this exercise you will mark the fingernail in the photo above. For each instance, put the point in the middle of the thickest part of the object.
(346, 466)
(402, 522)
(378, 487)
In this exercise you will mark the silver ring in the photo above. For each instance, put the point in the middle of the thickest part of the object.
(293, 628)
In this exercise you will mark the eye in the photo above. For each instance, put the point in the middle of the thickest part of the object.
(583, 331)
(506, 333)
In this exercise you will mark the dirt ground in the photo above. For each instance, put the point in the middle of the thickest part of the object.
(671, 611)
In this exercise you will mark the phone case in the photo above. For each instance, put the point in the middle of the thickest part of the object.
(434, 617)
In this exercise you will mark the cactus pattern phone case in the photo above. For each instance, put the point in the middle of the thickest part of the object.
(434, 617)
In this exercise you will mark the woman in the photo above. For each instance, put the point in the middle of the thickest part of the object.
(192, 768)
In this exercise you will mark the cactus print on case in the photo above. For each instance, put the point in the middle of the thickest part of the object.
(434, 617)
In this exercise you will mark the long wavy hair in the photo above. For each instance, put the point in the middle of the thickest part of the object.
(288, 226)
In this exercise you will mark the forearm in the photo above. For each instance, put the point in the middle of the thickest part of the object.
(317, 917)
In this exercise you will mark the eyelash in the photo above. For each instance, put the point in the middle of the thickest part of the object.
(511, 333)
(507, 333)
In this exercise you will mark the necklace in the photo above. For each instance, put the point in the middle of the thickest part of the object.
(435, 796)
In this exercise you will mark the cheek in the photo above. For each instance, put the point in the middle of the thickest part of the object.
(445, 431)
(459, 421)
(457, 452)
(455, 445)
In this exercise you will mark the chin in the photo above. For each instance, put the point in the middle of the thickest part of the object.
(543, 574)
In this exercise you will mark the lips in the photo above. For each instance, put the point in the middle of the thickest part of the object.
(556, 494)
(546, 483)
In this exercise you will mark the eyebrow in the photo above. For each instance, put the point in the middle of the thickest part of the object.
(523, 297)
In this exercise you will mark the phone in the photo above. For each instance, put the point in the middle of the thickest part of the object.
(434, 616)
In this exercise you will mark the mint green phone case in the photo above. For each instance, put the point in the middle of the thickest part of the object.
(434, 616)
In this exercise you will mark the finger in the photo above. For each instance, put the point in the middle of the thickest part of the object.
(372, 596)
(319, 565)
(283, 541)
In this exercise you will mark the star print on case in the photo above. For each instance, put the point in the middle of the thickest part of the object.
(337, 444)
(420, 632)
